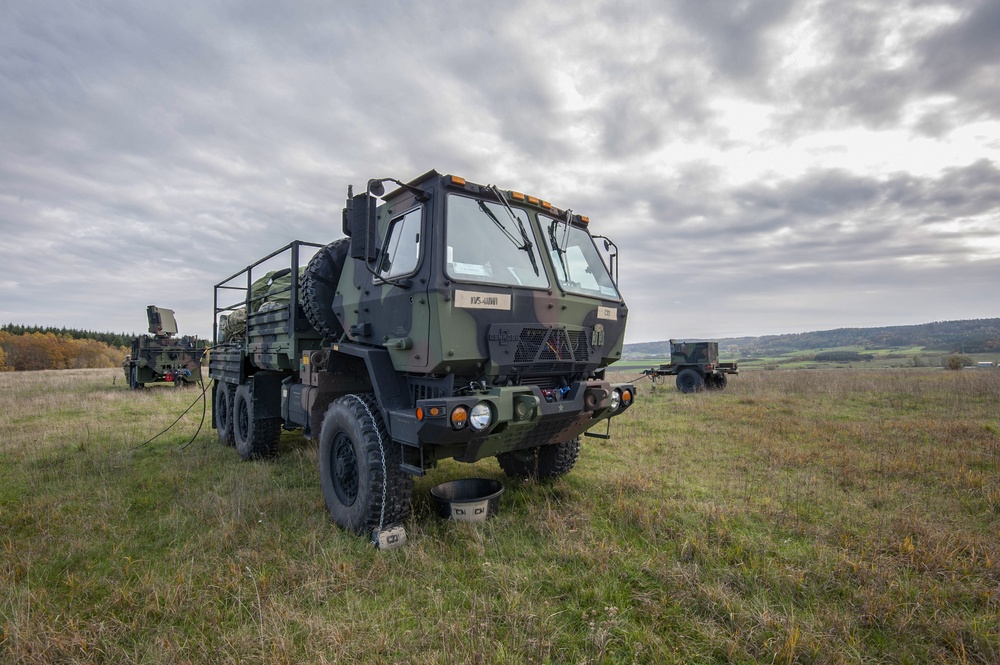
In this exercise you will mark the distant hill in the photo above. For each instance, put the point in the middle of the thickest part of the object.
(966, 336)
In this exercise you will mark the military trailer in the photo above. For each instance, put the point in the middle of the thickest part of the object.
(696, 366)
(159, 357)
(455, 320)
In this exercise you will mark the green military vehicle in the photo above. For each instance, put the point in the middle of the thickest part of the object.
(696, 366)
(455, 320)
(159, 357)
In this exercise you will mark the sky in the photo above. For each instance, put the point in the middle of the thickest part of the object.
(764, 167)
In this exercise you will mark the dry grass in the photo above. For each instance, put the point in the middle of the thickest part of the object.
(798, 517)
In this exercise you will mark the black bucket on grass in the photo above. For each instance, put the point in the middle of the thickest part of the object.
(468, 499)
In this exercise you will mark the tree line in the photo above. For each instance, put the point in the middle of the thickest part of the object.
(48, 350)
(109, 338)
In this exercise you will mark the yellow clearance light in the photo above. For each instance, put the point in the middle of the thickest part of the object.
(420, 413)
(546, 204)
(459, 417)
(532, 200)
(518, 196)
(455, 180)
(584, 219)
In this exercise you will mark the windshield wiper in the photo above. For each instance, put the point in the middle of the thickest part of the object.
(527, 246)
(556, 245)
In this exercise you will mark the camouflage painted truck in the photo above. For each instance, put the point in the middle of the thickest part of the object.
(159, 357)
(455, 320)
(696, 366)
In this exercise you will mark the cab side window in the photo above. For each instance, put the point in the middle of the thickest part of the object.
(402, 246)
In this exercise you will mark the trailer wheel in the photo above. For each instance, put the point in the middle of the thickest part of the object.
(224, 412)
(132, 378)
(689, 381)
(319, 285)
(549, 461)
(255, 438)
(718, 382)
(359, 465)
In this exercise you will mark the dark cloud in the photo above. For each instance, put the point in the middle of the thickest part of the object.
(734, 36)
(963, 58)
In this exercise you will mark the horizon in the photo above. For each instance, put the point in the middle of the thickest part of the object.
(181, 333)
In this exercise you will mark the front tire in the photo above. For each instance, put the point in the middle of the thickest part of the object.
(224, 413)
(689, 381)
(255, 438)
(541, 462)
(359, 464)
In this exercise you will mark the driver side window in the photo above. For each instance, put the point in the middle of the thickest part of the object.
(402, 246)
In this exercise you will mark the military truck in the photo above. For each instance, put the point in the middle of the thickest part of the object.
(696, 366)
(454, 320)
(159, 357)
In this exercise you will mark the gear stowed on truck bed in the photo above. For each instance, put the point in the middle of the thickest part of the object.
(455, 320)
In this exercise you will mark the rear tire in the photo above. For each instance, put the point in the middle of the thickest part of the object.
(719, 382)
(353, 442)
(224, 412)
(542, 462)
(255, 438)
(690, 381)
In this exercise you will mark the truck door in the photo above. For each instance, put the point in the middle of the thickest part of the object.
(397, 304)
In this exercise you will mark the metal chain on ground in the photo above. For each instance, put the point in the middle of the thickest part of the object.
(381, 450)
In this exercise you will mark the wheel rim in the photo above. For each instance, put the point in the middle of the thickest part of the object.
(345, 469)
(243, 421)
(223, 410)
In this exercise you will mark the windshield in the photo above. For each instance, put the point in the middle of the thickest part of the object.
(486, 245)
(577, 262)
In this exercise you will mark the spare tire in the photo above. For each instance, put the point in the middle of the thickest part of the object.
(319, 285)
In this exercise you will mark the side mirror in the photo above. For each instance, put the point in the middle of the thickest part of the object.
(360, 216)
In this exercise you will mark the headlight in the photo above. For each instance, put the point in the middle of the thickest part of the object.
(480, 416)
(616, 399)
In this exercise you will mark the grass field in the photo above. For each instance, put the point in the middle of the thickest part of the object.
(797, 517)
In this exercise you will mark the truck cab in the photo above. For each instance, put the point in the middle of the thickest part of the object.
(476, 291)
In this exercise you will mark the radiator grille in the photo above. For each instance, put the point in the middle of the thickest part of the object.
(552, 344)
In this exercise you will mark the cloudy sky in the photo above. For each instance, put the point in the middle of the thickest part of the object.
(765, 167)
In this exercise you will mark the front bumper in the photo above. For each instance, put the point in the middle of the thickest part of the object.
(520, 417)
